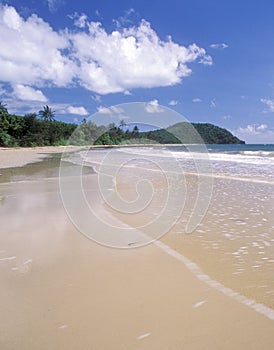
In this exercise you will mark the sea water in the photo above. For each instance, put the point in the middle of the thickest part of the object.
(233, 240)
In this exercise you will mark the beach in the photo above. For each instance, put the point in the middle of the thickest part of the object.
(62, 290)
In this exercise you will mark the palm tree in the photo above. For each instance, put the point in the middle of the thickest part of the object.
(122, 124)
(47, 113)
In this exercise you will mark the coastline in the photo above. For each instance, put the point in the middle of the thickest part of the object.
(61, 290)
(17, 157)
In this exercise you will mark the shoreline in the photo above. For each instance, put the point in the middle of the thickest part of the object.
(92, 295)
(18, 157)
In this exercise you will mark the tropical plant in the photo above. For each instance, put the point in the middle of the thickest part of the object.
(47, 113)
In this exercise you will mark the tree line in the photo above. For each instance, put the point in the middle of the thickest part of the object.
(41, 129)
(33, 129)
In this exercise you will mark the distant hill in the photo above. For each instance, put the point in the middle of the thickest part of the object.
(185, 133)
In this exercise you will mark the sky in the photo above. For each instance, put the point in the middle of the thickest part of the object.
(211, 61)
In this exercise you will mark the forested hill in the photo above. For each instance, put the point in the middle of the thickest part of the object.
(193, 133)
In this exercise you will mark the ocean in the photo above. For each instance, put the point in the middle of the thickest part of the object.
(214, 204)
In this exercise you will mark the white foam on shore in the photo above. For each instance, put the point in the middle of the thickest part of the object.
(195, 269)
(8, 258)
(260, 308)
(199, 303)
(143, 336)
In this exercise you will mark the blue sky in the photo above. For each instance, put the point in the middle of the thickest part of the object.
(211, 61)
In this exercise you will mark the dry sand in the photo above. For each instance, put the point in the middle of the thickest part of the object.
(60, 290)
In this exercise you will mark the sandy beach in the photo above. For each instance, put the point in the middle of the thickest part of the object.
(61, 290)
(16, 157)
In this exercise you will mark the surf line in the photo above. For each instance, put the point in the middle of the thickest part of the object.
(198, 273)
(260, 308)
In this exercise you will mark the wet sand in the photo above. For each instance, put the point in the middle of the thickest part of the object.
(60, 290)
(16, 157)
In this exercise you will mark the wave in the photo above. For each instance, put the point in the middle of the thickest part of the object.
(258, 153)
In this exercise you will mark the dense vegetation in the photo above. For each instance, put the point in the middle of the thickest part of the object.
(207, 133)
(33, 129)
(42, 129)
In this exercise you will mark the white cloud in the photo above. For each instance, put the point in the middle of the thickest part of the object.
(80, 21)
(262, 127)
(54, 4)
(130, 58)
(206, 60)
(226, 117)
(77, 110)
(256, 133)
(269, 103)
(173, 103)
(96, 98)
(99, 61)
(154, 107)
(250, 129)
(126, 19)
(27, 93)
(110, 110)
(219, 46)
(98, 14)
(197, 100)
(31, 52)
(213, 103)
(103, 110)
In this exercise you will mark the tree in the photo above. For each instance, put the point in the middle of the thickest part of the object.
(122, 124)
(5, 138)
(135, 131)
(3, 109)
(47, 113)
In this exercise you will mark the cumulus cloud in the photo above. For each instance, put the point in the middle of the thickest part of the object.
(77, 110)
(219, 46)
(262, 127)
(256, 133)
(80, 21)
(27, 93)
(269, 104)
(154, 107)
(173, 103)
(252, 129)
(33, 54)
(110, 110)
(31, 51)
(130, 58)
(196, 100)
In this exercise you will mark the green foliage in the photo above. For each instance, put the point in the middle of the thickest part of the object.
(47, 113)
(61, 142)
(188, 133)
(214, 134)
(161, 136)
(30, 131)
